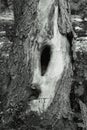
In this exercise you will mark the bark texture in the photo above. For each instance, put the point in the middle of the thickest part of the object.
(34, 30)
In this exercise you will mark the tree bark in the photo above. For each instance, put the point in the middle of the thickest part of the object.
(3, 5)
(40, 66)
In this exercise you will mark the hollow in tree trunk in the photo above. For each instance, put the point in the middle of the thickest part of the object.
(40, 66)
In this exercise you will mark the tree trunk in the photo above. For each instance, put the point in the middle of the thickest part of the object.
(40, 66)
(3, 5)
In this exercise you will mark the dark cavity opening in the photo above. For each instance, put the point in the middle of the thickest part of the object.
(34, 92)
(45, 58)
